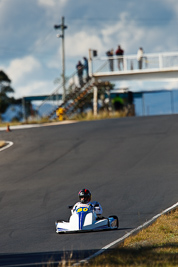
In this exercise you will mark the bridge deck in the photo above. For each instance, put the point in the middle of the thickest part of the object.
(155, 74)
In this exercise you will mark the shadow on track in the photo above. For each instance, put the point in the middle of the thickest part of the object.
(43, 258)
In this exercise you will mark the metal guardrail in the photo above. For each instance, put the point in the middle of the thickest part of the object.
(128, 63)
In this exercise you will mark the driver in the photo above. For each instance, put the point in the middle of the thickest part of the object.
(85, 198)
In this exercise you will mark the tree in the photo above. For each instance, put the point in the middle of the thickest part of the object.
(5, 89)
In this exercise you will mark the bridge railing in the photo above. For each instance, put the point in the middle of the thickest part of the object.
(130, 62)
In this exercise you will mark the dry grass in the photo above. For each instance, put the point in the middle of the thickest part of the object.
(32, 121)
(156, 245)
(79, 117)
(2, 143)
(101, 115)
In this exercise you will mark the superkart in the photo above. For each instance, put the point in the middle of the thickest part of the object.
(84, 219)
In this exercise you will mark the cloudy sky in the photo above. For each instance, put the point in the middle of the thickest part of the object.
(30, 52)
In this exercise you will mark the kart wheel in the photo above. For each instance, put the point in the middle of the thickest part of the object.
(117, 220)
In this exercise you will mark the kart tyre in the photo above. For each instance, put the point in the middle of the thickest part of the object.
(117, 221)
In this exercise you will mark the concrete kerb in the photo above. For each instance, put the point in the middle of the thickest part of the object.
(27, 126)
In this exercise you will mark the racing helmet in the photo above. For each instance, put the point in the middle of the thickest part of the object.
(85, 194)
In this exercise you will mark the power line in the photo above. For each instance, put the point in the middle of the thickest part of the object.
(127, 19)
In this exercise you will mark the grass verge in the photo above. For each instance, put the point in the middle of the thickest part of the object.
(79, 117)
(100, 116)
(34, 121)
(156, 245)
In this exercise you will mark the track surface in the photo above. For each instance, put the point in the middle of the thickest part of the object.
(129, 164)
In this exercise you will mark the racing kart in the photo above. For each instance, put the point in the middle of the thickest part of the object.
(84, 219)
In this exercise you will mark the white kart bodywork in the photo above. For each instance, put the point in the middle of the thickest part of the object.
(85, 219)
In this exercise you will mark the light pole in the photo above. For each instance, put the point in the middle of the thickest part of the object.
(62, 26)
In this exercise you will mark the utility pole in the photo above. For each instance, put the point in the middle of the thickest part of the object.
(93, 53)
(62, 26)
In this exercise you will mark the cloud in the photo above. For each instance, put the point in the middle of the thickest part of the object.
(3, 10)
(54, 9)
(24, 74)
(81, 42)
(171, 5)
(124, 31)
(19, 68)
(35, 88)
(31, 53)
(51, 3)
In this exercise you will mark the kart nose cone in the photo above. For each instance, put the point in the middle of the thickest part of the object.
(81, 220)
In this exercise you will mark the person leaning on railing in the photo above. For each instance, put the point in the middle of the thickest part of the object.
(110, 54)
(140, 57)
(120, 52)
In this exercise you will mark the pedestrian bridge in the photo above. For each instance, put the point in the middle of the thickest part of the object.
(157, 66)
(160, 66)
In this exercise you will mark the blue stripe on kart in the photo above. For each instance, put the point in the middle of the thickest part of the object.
(62, 229)
(81, 219)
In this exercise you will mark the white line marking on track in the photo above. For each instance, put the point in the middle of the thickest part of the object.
(7, 146)
(126, 235)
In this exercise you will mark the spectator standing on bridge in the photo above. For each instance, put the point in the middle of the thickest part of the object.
(140, 57)
(120, 52)
(80, 68)
(85, 65)
(110, 54)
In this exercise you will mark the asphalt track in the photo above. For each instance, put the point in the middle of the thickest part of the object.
(129, 164)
